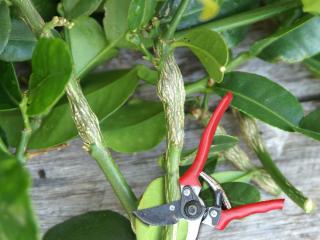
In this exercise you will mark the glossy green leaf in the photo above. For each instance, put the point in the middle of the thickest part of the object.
(76, 8)
(238, 193)
(16, 216)
(46, 8)
(210, 48)
(313, 64)
(4, 151)
(234, 36)
(106, 92)
(148, 75)
(136, 127)
(21, 43)
(311, 6)
(14, 180)
(97, 225)
(220, 143)
(10, 95)
(291, 44)
(261, 98)
(88, 44)
(311, 121)
(5, 25)
(233, 176)
(309, 125)
(191, 16)
(209, 168)
(11, 124)
(230, 176)
(154, 196)
(116, 21)
(140, 13)
(51, 71)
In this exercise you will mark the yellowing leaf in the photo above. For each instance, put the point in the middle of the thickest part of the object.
(311, 6)
(210, 9)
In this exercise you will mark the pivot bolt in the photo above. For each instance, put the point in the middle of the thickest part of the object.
(172, 208)
(186, 192)
(213, 213)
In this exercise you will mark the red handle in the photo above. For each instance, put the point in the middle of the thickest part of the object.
(243, 211)
(190, 177)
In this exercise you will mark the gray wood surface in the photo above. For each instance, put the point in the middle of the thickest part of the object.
(74, 184)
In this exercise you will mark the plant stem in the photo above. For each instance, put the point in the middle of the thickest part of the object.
(85, 120)
(169, 34)
(239, 60)
(247, 18)
(250, 131)
(197, 87)
(88, 127)
(116, 179)
(26, 132)
(171, 93)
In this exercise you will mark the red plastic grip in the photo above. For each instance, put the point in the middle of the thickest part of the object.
(243, 211)
(191, 176)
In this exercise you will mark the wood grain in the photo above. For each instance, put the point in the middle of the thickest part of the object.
(73, 183)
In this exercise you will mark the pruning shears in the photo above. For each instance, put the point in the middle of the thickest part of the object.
(191, 207)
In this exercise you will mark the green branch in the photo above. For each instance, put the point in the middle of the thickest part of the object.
(176, 19)
(171, 92)
(85, 120)
(250, 131)
(26, 132)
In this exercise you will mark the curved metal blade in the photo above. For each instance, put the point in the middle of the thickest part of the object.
(167, 214)
(193, 229)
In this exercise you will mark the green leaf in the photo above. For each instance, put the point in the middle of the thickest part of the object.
(311, 6)
(233, 176)
(14, 180)
(106, 92)
(238, 193)
(191, 16)
(46, 8)
(97, 225)
(210, 48)
(152, 197)
(309, 125)
(140, 13)
(291, 44)
(116, 21)
(4, 151)
(11, 124)
(21, 43)
(76, 8)
(313, 64)
(261, 98)
(5, 25)
(10, 95)
(209, 168)
(148, 75)
(88, 44)
(17, 220)
(220, 143)
(51, 71)
(136, 127)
